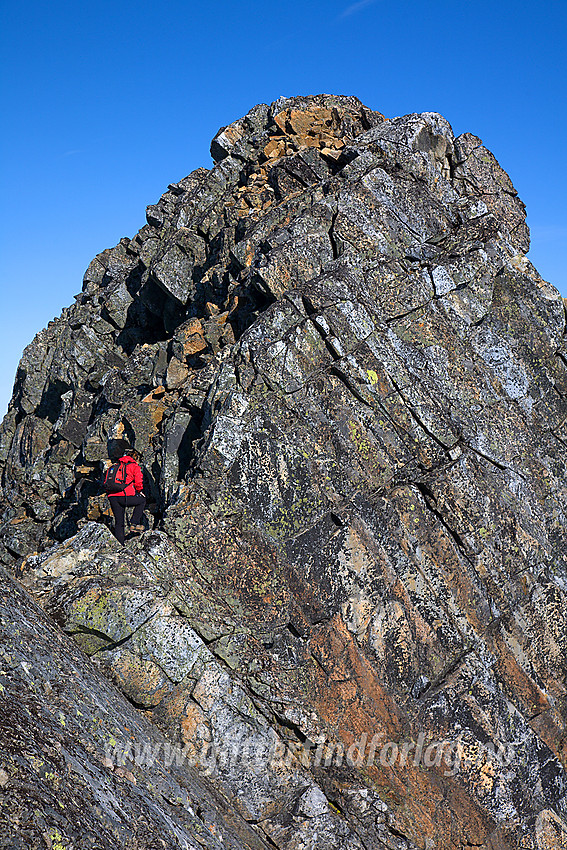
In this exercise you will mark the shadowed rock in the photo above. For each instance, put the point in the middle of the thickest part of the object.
(348, 385)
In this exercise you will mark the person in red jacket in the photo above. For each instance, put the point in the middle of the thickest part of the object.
(131, 496)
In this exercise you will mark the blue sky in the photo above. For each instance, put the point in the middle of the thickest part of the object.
(105, 103)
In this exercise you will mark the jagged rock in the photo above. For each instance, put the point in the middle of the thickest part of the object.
(348, 386)
(117, 304)
(94, 767)
(174, 268)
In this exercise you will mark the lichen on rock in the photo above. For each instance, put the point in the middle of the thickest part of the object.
(347, 384)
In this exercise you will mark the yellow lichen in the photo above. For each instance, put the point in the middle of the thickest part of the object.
(56, 840)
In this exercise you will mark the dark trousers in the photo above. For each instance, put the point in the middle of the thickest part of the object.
(119, 505)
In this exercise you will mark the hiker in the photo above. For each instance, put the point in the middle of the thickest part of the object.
(127, 472)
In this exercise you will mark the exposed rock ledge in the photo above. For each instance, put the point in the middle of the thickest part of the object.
(348, 385)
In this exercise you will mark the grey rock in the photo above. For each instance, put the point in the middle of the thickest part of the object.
(117, 304)
(99, 771)
(348, 386)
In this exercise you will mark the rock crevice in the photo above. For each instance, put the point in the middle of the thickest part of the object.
(347, 384)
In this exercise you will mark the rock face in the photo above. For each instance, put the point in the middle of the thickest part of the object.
(348, 385)
(61, 724)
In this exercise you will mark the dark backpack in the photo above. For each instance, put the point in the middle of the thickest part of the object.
(115, 477)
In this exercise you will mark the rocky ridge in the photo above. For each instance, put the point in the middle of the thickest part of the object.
(348, 386)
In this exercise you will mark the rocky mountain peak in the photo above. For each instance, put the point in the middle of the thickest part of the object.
(347, 384)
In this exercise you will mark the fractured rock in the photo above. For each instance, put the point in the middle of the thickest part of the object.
(347, 383)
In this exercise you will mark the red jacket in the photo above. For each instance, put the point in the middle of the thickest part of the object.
(134, 478)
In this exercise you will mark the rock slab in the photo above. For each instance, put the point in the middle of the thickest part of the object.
(348, 385)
